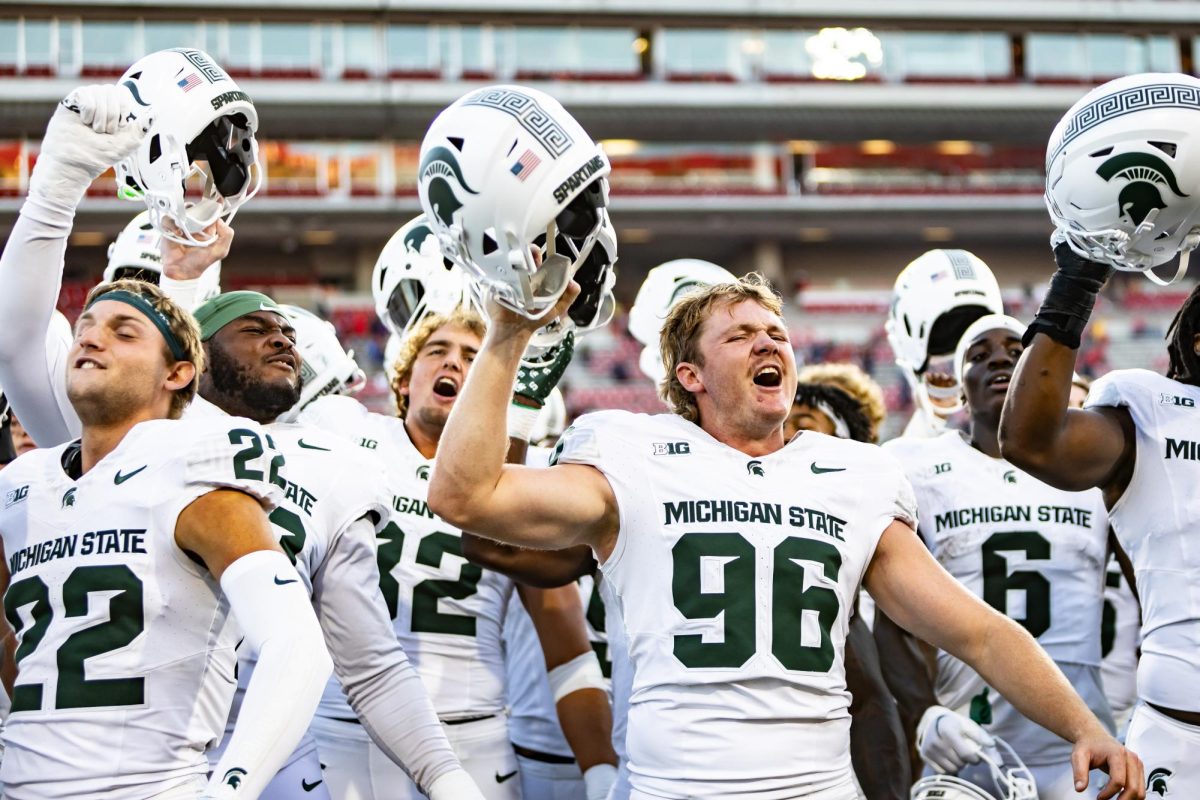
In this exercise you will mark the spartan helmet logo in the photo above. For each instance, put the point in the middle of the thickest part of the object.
(438, 171)
(1010, 476)
(415, 239)
(1144, 174)
(68, 499)
(1156, 782)
(755, 468)
(423, 472)
(233, 778)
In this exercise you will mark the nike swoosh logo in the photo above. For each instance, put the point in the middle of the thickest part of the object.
(822, 470)
(283, 583)
(119, 478)
(313, 447)
(502, 778)
(308, 787)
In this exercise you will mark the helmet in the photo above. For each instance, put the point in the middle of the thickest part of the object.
(665, 285)
(325, 366)
(203, 125)
(500, 167)
(1123, 172)
(1011, 780)
(135, 254)
(411, 279)
(551, 420)
(935, 298)
(595, 305)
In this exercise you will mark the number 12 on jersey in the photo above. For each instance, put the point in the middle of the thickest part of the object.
(794, 607)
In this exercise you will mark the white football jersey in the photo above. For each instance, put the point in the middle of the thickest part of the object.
(1034, 553)
(125, 646)
(1156, 520)
(328, 484)
(1119, 636)
(448, 613)
(734, 577)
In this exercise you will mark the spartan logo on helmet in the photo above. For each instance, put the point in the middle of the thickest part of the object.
(439, 170)
(233, 777)
(1156, 781)
(1144, 173)
(415, 239)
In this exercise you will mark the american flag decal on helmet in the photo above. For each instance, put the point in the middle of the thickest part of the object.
(525, 165)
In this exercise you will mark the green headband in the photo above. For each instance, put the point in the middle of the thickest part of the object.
(151, 313)
(225, 308)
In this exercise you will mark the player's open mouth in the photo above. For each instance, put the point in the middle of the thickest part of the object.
(88, 363)
(445, 387)
(1001, 380)
(769, 376)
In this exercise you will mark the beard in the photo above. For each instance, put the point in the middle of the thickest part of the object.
(236, 382)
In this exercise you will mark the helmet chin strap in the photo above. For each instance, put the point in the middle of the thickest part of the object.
(922, 391)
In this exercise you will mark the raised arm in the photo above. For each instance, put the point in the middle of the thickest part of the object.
(471, 486)
(915, 591)
(1068, 449)
(230, 533)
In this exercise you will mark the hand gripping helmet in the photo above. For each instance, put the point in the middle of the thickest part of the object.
(500, 167)
(934, 300)
(204, 125)
(1123, 173)
(412, 279)
(135, 254)
(325, 366)
(664, 286)
(1010, 779)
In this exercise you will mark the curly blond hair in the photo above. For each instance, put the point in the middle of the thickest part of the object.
(412, 343)
(180, 322)
(680, 338)
(851, 379)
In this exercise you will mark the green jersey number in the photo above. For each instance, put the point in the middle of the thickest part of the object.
(125, 623)
(252, 451)
(426, 618)
(999, 580)
(733, 598)
(294, 537)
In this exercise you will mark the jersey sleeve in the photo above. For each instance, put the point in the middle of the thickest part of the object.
(582, 443)
(335, 413)
(1117, 388)
(362, 489)
(233, 453)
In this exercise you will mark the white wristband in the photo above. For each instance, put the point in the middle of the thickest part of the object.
(521, 420)
(598, 781)
(182, 292)
(581, 672)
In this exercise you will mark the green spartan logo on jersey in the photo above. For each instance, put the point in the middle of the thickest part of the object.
(233, 777)
(423, 472)
(1156, 782)
(69, 498)
(755, 468)
(1010, 476)
(1144, 174)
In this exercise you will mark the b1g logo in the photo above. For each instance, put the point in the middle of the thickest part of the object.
(672, 448)
(1176, 400)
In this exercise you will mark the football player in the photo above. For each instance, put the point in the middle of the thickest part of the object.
(934, 300)
(1135, 438)
(734, 593)
(1031, 551)
(126, 551)
(448, 613)
(851, 379)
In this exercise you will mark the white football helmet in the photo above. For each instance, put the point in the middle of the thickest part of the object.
(135, 253)
(664, 286)
(203, 125)
(1011, 779)
(412, 279)
(934, 299)
(325, 366)
(1123, 173)
(500, 167)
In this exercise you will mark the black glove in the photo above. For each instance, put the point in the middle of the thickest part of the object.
(1068, 304)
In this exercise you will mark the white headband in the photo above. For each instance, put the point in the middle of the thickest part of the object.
(990, 322)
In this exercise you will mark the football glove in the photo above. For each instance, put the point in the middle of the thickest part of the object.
(948, 741)
(91, 129)
(536, 378)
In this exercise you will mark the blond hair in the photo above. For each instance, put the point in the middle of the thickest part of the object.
(181, 324)
(851, 379)
(680, 338)
(415, 339)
